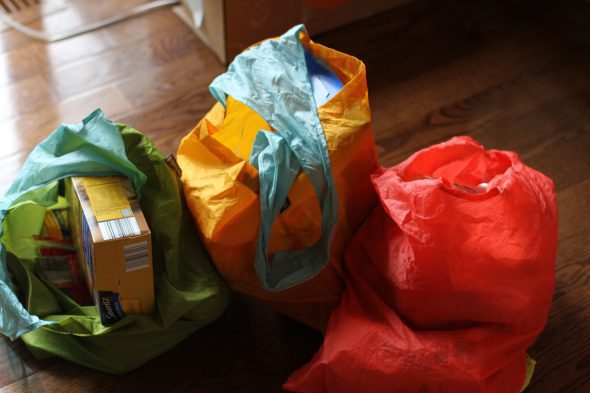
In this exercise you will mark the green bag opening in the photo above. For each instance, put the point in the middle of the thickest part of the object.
(189, 292)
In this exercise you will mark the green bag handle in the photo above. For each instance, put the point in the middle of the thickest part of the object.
(273, 80)
(93, 147)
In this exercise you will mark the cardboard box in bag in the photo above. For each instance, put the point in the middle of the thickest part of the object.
(114, 245)
(230, 26)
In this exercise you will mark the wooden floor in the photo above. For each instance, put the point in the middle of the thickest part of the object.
(515, 75)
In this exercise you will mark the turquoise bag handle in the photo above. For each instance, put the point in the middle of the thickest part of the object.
(92, 148)
(272, 79)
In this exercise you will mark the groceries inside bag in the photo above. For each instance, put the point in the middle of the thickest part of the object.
(143, 313)
(276, 175)
(449, 281)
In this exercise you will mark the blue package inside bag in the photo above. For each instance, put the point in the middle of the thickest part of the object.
(284, 85)
(324, 83)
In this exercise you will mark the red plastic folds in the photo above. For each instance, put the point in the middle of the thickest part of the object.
(450, 279)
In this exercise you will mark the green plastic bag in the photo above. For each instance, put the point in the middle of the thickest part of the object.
(189, 293)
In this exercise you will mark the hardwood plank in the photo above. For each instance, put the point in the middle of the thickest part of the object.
(168, 124)
(263, 358)
(16, 362)
(574, 223)
(10, 167)
(565, 159)
(120, 33)
(424, 72)
(18, 65)
(65, 18)
(178, 101)
(566, 335)
(490, 112)
(169, 80)
(25, 97)
(34, 11)
(11, 40)
(37, 58)
(39, 124)
(84, 46)
(115, 64)
(138, 28)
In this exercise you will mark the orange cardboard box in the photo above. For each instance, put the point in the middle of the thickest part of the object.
(114, 245)
(230, 26)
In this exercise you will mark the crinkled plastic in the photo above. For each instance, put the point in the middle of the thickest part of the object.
(449, 281)
(189, 292)
(69, 149)
(276, 185)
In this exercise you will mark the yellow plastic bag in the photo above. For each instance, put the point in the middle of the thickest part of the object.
(222, 186)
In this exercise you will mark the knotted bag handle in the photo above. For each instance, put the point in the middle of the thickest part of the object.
(272, 79)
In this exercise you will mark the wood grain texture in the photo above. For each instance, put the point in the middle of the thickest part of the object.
(513, 74)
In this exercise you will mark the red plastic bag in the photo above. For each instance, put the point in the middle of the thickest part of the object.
(450, 279)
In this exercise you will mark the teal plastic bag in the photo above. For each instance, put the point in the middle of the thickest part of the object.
(189, 293)
(299, 144)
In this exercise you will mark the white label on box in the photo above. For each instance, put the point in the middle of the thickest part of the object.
(120, 228)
